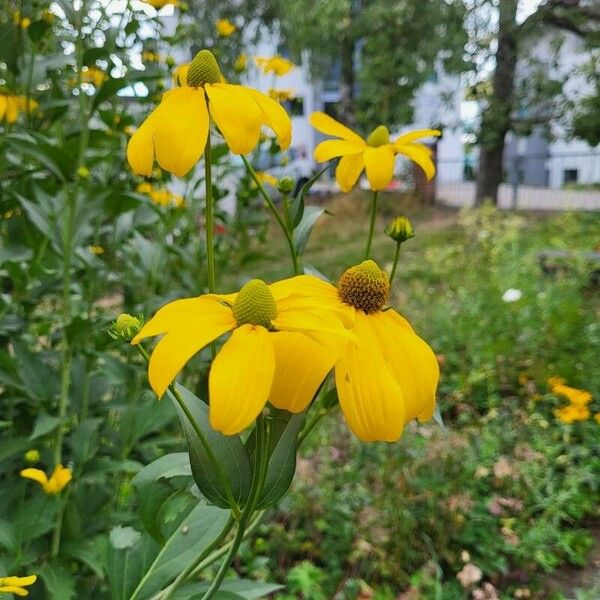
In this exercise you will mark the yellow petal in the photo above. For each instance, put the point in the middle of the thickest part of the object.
(12, 109)
(331, 148)
(370, 397)
(140, 149)
(419, 154)
(36, 475)
(411, 136)
(273, 115)
(348, 171)
(3, 105)
(181, 73)
(11, 589)
(240, 379)
(329, 126)
(177, 347)
(181, 129)
(411, 360)
(18, 581)
(379, 164)
(236, 114)
(58, 480)
(301, 365)
(193, 314)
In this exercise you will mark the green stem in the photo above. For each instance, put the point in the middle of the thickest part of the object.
(395, 265)
(209, 218)
(317, 416)
(371, 225)
(284, 227)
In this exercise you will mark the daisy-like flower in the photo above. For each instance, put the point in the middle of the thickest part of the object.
(282, 345)
(176, 131)
(16, 585)
(274, 64)
(281, 94)
(225, 27)
(376, 154)
(11, 106)
(389, 375)
(59, 479)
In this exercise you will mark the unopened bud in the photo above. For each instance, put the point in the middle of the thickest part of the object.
(285, 185)
(125, 328)
(400, 229)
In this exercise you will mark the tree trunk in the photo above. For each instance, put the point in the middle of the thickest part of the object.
(346, 104)
(496, 119)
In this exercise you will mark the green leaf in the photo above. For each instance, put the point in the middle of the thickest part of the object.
(304, 229)
(172, 465)
(59, 582)
(297, 208)
(44, 424)
(8, 538)
(228, 450)
(43, 153)
(230, 588)
(83, 441)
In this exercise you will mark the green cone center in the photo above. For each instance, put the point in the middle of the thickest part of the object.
(204, 69)
(364, 286)
(379, 137)
(255, 304)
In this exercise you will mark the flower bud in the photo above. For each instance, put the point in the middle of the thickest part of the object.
(82, 172)
(32, 455)
(125, 328)
(286, 184)
(400, 229)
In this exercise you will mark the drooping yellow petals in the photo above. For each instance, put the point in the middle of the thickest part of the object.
(301, 365)
(332, 148)
(273, 115)
(277, 65)
(379, 165)
(240, 379)
(59, 479)
(16, 585)
(419, 154)
(329, 126)
(348, 171)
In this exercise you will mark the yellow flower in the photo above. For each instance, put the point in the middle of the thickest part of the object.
(158, 4)
(572, 413)
(554, 381)
(160, 196)
(281, 95)
(265, 177)
(389, 375)
(93, 75)
(241, 63)
(274, 64)
(11, 106)
(175, 133)
(57, 482)
(580, 398)
(96, 250)
(225, 27)
(22, 22)
(32, 455)
(16, 585)
(376, 154)
(282, 345)
(148, 56)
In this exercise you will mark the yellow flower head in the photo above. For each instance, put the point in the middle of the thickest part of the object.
(376, 154)
(93, 75)
(275, 64)
(16, 585)
(158, 4)
(572, 413)
(576, 397)
(225, 27)
(241, 62)
(400, 229)
(282, 345)
(96, 250)
(22, 22)
(389, 375)
(265, 177)
(176, 131)
(32, 455)
(281, 95)
(55, 484)
(149, 56)
(11, 106)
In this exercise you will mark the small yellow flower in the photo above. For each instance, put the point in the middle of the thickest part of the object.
(158, 4)
(96, 250)
(376, 154)
(11, 106)
(32, 455)
(225, 27)
(160, 196)
(241, 63)
(282, 345)
(93, 75)
(16, 585)
(275, 64)
(82, 172)
(176, 131)
(576, 397)
(400, 229)
(148, 56)
(281, 95)
(390, 375)
(55, 484)
(572, 413)
(22, 22)
(265, 177)
(129, 130)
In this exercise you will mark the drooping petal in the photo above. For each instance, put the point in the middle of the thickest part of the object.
(236, 114)
(19, 581)
(370, 397)
(348, 171)
(379, 164)
(329, 126)
(301, 365)
(11, 589)
(193, 314)
(177, 347)
(273, 115)
(240, 379)
(180, 129)
(36, 475)
(140, 149)
(411, 360)
(12, 109)
(58, 480)
(419, 154)
(3, 105)
(411, 136)
(332, 148)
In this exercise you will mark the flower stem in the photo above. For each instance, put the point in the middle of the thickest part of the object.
(371, 225)
(284, 227)
(395, 265)
(209, 218)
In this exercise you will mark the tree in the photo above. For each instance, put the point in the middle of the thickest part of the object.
(499, 114)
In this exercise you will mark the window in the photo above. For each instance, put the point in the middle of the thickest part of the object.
(570, 176)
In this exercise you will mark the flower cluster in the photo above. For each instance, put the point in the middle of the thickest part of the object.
(579, 400)
(11, 106)
(160, 196)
